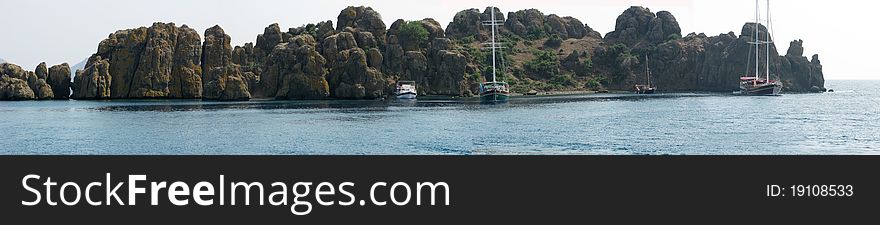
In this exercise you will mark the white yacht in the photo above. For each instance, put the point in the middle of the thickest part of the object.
(406, 90)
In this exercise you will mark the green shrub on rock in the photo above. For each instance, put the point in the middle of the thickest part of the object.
(544, 66)
(554, 41)
(413, 35)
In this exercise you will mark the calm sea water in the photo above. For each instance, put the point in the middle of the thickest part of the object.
(844, 122)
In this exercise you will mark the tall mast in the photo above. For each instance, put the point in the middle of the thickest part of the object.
(768, 41)
(493, 44)
(757, 40)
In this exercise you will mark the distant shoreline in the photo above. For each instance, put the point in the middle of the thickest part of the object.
(425, 97)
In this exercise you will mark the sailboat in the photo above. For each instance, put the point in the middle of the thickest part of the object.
(494, 91)
(757, 85)
(648, 87)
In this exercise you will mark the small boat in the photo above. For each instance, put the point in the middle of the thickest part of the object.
(532, 92)
(406, 90)
(758, 85)
(494, 91)
(648, 87)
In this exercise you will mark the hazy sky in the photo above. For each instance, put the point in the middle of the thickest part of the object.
(57, 31)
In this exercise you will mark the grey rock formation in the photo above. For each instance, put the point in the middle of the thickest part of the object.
(296, 70)
(702, 63)
(352, 78)
(14, 83)
(223, 81)
(42, 71)
(94, 81)
(638, 24)
(362, 19)
(161, 61)
(59, 80)
(226, 83)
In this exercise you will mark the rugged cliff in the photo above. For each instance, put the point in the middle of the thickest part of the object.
(361, 58)
(316, 61)
(40, 84)
(222, 80)
(160, 61)
(696, 62)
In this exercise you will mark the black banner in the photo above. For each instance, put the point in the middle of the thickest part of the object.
(465, 189)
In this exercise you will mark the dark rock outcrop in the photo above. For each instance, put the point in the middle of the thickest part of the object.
(42, 90)
(161, 61)
(362, 19)
(297, 64)
(14, 89)
(244, 55)
(796, 48)
(701, 63)
(465, 24)
(799, 73)
(42, 71)
(469, 23)
(217, 50)
(295, 70)
(438, 68)
(353, 56)
(446, 70)
(528, 22)
(59, 80)
(94, 81)
(533, 24)
(266, 42)
(14, 83)
(638, 24)
(352, 78)
(224, 81)
(333, 44)
(19, 84)
(37, 82)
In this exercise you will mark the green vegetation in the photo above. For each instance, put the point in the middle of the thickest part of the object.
(413, 35)
(594, 83)
(534, 33)
(564, 80)
(554, 41)
(311, 29)
(467, 40)
(476, 77)
(511, 38)
(620, 58)
(526, 85)
(673, 37)
(545, 65)
(588, 64)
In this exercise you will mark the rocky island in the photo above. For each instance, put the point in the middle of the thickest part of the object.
(361, 58)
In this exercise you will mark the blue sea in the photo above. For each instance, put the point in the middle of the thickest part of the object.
(846, 121)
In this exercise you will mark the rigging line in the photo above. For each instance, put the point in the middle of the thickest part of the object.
(770, 28)
(749, 62)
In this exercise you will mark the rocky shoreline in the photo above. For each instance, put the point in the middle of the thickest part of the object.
(362, 58)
